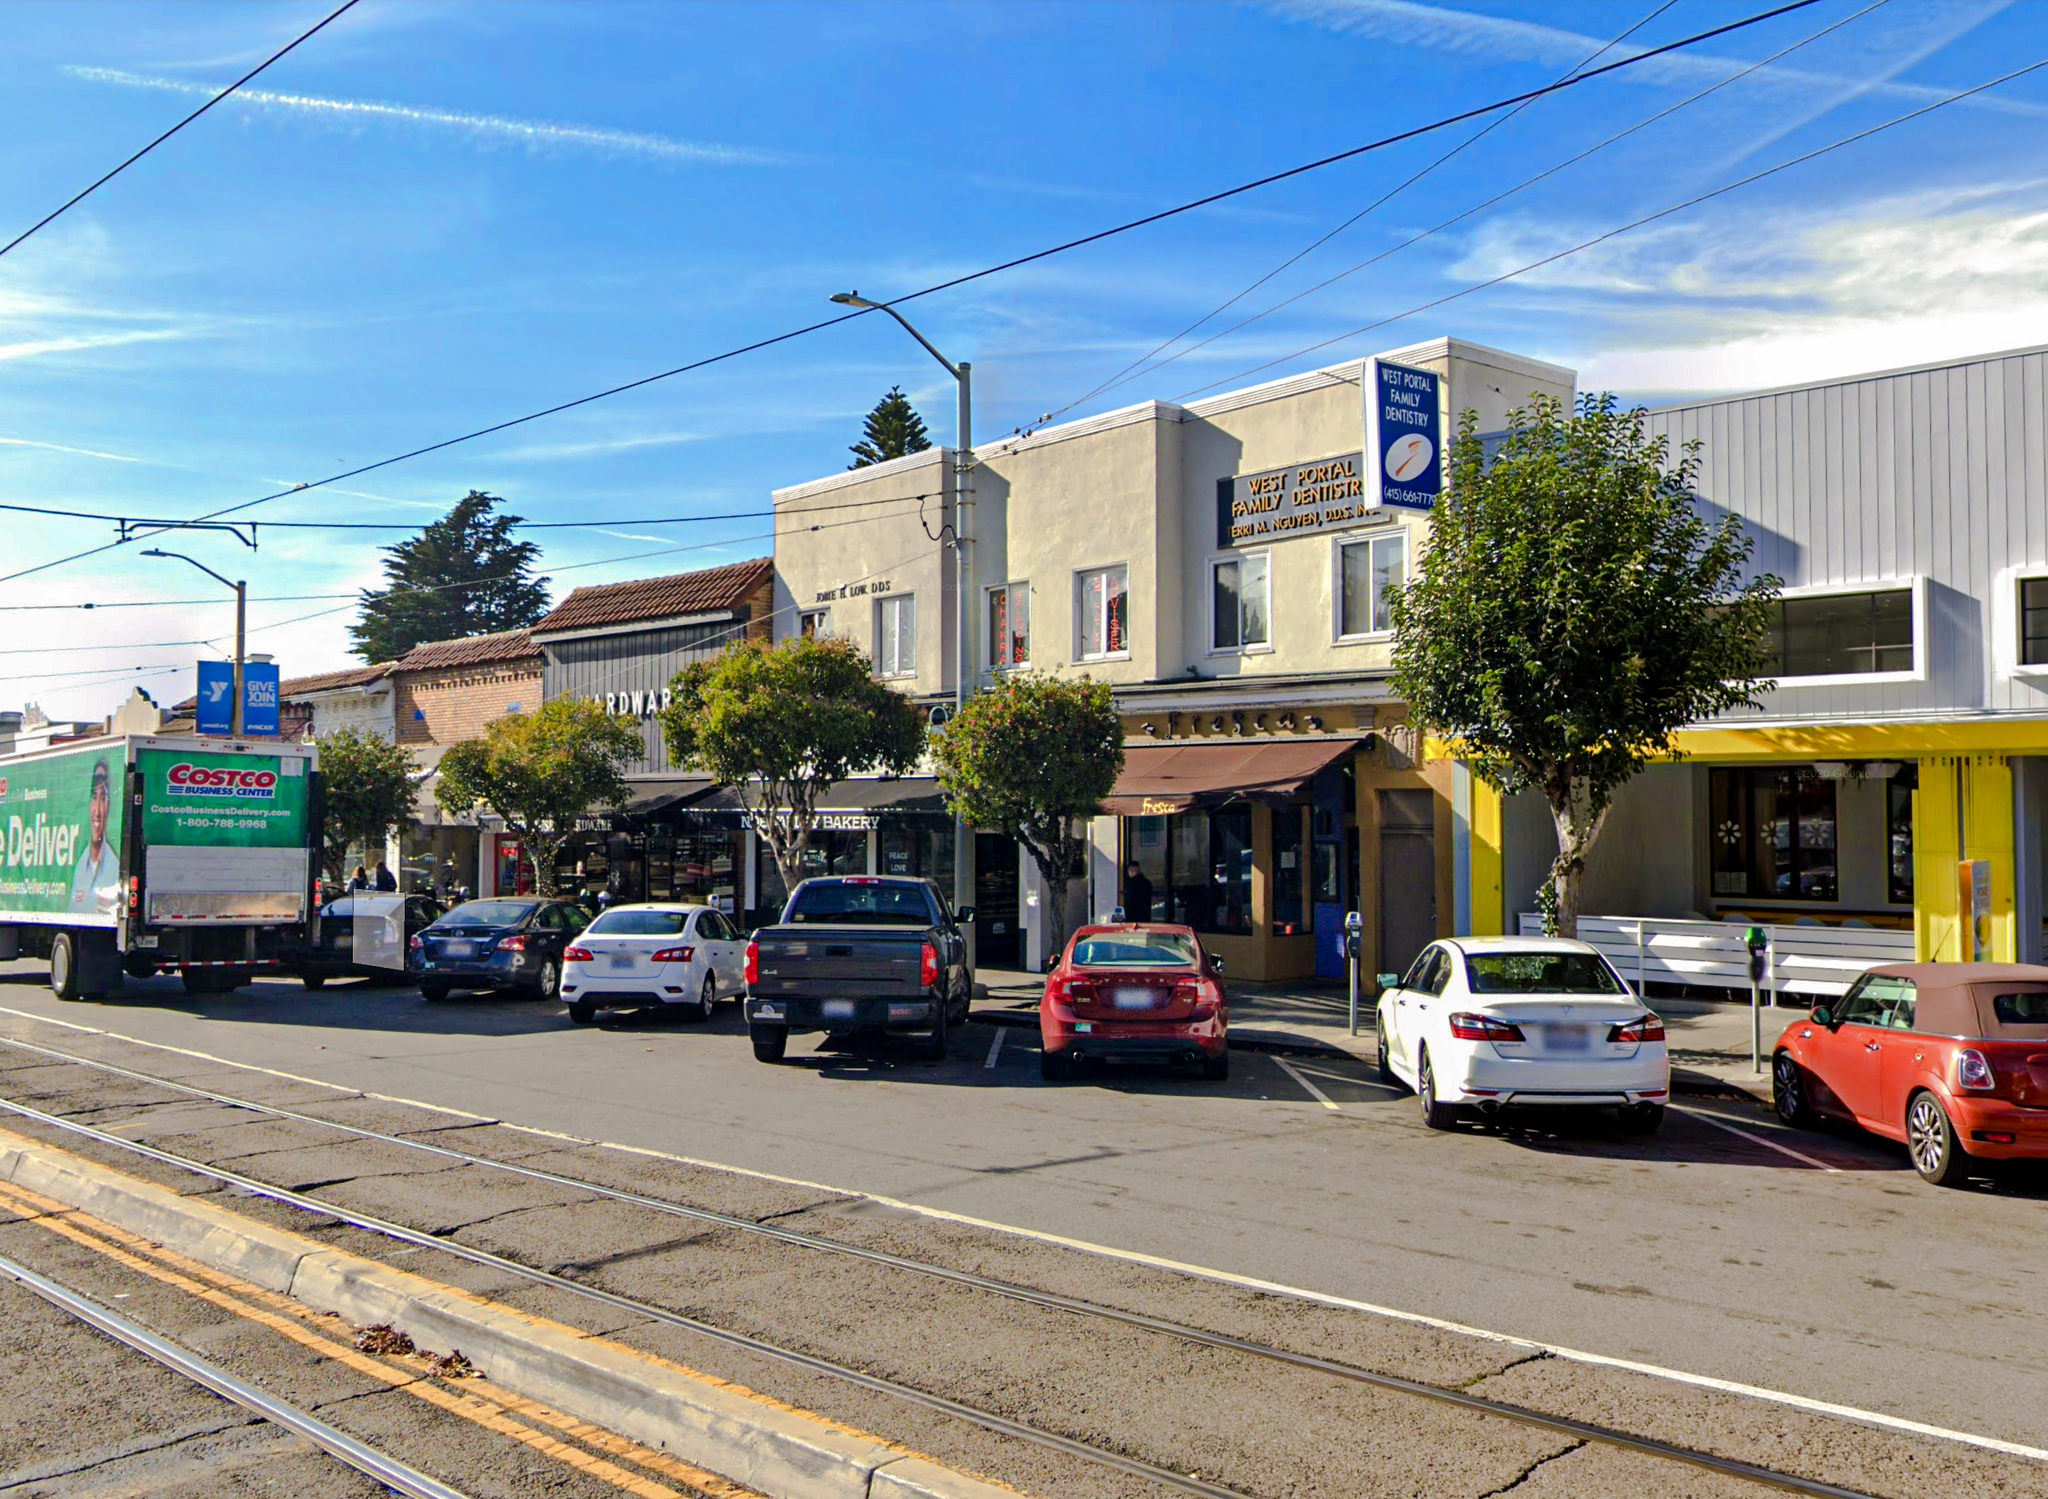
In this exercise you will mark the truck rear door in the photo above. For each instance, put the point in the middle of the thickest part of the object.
(226, 834)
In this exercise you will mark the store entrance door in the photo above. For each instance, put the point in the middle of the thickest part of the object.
(997, 902)
(1407, 877)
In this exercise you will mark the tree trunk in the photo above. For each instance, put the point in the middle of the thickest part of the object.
(535, 845)
(1578, 822)
(1054, 864)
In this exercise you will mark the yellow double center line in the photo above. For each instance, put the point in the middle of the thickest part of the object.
(481, 1402)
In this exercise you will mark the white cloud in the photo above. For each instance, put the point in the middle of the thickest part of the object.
(58, 447)
(30, 348)
(548, 452)
(486, 130)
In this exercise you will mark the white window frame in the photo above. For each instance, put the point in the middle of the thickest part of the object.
(822, 616)
(1917, 585)
(1081, 577)
(1367, 539)
(882, 607)
(1264, 647)
(1015, 588)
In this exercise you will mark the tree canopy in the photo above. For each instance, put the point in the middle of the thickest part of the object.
(369, 787)
(540, 772)
(892, 430)
(1034, 756)
(1572, 609)
(781, 723)
(463, 575)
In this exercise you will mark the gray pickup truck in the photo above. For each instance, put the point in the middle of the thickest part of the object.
(859, 953)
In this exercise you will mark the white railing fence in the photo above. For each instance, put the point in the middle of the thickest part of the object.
(1803, 960)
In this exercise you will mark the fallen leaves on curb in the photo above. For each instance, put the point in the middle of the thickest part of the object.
(454, 1366)
(384, 1339)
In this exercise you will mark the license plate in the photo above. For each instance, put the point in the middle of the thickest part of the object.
(624, 960)
(837, 1009)
(1134, 999)
(1569, 1038)
(458, 949)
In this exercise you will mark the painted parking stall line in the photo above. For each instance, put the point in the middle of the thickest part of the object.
(995, 1047)
(1308, 1087)
(1721, 1121)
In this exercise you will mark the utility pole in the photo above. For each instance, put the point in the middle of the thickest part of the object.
(241, 628)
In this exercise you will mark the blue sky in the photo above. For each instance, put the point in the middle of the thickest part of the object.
(434, 216)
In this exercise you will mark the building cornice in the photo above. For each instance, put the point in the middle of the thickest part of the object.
(909, 463)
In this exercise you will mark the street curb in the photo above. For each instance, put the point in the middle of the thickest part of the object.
(1705, 1085)
(1028, 1020)
(777, 1449)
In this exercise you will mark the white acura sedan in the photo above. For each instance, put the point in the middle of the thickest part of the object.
(654, 954)
(1489, 1022)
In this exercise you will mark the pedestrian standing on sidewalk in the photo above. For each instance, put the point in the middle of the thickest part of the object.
(386, 880)
(360, 880)
(1137, 893)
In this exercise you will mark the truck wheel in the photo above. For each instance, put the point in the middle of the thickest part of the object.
(64, 966)
(770, 1041)
(934, 1047)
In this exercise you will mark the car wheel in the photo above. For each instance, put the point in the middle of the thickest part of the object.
(934, 1047)
(1434, 1114)
(1215, 1069)
(314, 980)
(1053, 1066)
(1788, 1093)
(707, 1002)
(582, 1012)
(1387, 1073)
(433, 992)
(1937, 1155)
(1642, 1118)
(549, 985)
(770, 1041)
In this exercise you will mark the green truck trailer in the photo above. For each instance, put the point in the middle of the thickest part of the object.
(143, 854)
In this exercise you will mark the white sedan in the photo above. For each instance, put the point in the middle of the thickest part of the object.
(1488, 1022)
(654, 954)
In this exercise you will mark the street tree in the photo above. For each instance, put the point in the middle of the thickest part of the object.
(892, 430)
(1034, 756)
(463, 575)
(369, 791)
(540, 772)
(780, 723)
(1573, 609)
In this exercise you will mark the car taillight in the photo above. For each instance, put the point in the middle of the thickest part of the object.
(1469, 1027)
(578, 955)
(674, 955)
(928, 967)
(753, 962)
(1649, 1028)
(514, 943)
(1973, 1070)
(1073, 991)
(418, 943)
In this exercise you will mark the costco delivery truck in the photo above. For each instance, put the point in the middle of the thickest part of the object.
(142, 854)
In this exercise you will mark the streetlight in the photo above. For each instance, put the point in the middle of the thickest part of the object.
(241, 621)
(963, 555)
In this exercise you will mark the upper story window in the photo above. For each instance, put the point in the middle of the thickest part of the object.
(1841, 634)
(1241, 591)
(896, 636)
(1009, 625)
(2034, 622)
(1368, 570)
(1105, 612)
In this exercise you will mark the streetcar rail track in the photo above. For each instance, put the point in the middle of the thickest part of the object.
(364, 1458)
(1471, 1403)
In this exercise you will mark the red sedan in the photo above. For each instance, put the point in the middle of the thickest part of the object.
(1136, 991)
(1949, 1058)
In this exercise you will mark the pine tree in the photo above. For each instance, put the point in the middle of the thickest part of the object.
(893, 429)
(462, 575)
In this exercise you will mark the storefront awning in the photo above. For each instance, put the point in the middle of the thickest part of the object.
(1163, 778)
(661, 795)
(867, 794)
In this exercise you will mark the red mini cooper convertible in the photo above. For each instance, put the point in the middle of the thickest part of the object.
(1135, 992)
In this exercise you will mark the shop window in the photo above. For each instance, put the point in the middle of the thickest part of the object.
(1898, 842)
(1773, 834)
(1291, 913)
(1369, 571)
(1105, 612)
(1009, 625)
(1198, 866)
(921, 847)
(1840, 634)
(896, 636)
(2034, 622)
(1241, 607)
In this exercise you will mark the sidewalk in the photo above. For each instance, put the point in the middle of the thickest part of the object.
(1709, 1041)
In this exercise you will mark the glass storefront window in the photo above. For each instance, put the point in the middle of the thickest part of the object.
(1291, 915)
(1199, 868)
(1772, 834)
(1898, 827)
(920, 847)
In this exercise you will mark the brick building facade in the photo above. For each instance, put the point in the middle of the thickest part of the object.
(451, 690)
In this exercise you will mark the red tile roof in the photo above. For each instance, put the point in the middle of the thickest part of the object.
(711, 591)
(470, 650)
(355, 676)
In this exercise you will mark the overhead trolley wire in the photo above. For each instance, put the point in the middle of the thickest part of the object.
(1126, 227)
(102, 181)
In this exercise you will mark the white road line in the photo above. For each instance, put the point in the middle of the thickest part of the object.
(1313, 1091)
(1720, 1122)
(995, 1047)
(1356, 1082)
(1230, 1278)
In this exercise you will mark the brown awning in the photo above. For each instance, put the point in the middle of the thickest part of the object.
(1174, 777)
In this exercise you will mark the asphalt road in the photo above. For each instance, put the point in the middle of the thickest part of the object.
(1833, 1273)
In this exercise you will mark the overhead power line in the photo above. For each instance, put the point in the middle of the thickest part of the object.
(1126, 227)
(102, 181)
(1649, 218)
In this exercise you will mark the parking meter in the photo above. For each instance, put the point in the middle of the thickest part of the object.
(1354, 927)
(1758, 941)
